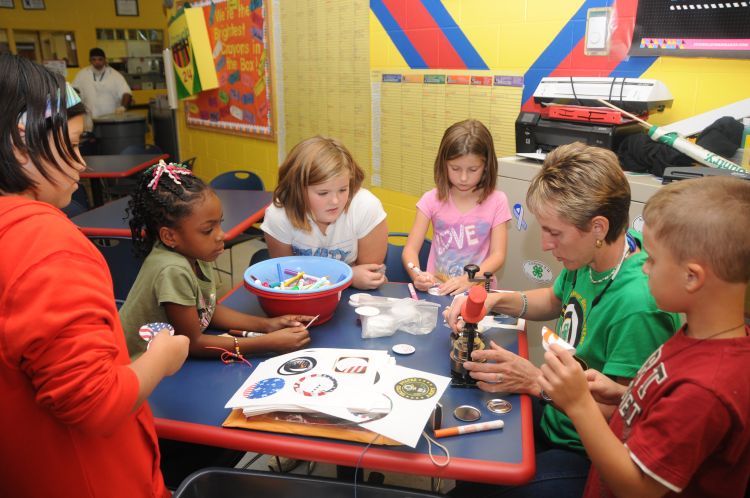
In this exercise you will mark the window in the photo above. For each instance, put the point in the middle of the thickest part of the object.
(136, 53)
(44, 46)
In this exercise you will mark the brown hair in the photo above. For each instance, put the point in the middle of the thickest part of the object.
(311, 162)
(705, 219)
(460, 139)
(580, 182)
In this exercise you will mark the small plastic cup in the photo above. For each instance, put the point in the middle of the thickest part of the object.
(365, 313)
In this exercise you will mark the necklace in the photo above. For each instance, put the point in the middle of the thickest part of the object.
(715, 334)
(612, 274)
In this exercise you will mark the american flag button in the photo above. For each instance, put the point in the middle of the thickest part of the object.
(148, 331)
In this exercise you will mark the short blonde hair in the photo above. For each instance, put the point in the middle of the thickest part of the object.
(460, 139)
(705, 219)
(311, 162)
(579, 182)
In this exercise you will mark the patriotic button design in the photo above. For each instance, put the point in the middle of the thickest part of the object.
(297, 366)
(148, 331)
(351, 364)
(315, 385)
(263, 388)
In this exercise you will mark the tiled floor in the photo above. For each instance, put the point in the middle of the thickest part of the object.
(241, 255)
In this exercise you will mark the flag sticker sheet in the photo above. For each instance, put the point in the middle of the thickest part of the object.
(363, 387)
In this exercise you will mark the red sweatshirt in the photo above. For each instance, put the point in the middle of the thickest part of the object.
(67, 420)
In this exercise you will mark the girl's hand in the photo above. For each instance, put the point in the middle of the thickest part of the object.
(563, 379)
(455, 285)
(424, 281)
(284, 321)
(288, 339)
(502, 371)
(368, 276)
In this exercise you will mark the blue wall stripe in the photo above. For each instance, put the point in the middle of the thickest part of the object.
(632, 67)
(398, 37)
(456, 36)
(559, 49)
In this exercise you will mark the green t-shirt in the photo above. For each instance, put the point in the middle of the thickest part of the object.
(165, 277)
(615, 335)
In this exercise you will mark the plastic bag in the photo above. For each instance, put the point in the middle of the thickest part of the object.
(382, 317)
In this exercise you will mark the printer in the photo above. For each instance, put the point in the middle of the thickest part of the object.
(571, 113)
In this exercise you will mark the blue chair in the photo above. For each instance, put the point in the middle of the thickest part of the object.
(123, 265)
(258, 256)
(394, 266)
(238, 180)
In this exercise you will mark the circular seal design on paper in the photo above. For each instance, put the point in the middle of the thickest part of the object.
(263, 388)
(415, 388)
(315, 385)
(297, 366)
(537, 271)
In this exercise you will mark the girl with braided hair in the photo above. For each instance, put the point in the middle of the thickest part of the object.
(175, 222)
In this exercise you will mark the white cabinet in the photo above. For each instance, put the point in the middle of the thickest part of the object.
(526, 265)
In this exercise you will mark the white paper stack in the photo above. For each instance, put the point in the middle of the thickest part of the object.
(362, 386)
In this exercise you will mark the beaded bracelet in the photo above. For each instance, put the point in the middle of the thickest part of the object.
(524, 305)
(237, 347)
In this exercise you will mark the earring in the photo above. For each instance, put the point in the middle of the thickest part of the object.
(599, 243)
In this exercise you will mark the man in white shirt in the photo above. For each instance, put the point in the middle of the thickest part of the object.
(103, 89)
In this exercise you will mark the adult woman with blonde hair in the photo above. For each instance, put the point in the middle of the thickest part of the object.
(601, 299)
(321, 209)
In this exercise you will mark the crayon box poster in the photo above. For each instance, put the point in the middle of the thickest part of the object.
(238, 35)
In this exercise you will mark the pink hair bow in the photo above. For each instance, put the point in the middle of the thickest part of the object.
(172, 170)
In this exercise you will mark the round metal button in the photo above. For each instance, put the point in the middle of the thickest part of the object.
(498, 405)
(467, 413)
(403, 349)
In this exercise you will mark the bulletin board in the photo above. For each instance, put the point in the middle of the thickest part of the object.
(412, 109)
(238, 32)
(690, 28)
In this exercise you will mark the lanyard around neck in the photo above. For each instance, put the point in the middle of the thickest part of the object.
(101, 77)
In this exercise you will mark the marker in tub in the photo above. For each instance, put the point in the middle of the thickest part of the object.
(288, 282)
(320, 283)
(295, 272)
